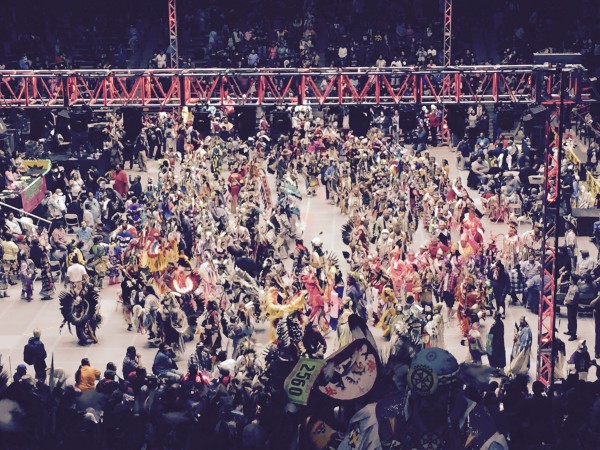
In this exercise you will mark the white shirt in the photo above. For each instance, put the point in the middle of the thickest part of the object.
(14, 226)
(76, 272)
(586, 265)
(161, 61)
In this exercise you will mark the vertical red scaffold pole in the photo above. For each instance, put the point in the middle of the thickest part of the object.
(447, 80)
(173, 45)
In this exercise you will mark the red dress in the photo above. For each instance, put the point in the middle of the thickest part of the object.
(121, 182)
(235, 183)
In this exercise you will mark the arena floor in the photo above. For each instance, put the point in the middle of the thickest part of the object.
(19, 318)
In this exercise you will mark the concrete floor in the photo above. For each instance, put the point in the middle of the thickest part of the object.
(19, 318)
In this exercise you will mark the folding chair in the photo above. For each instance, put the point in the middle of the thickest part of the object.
(55, 269)
(72, 222)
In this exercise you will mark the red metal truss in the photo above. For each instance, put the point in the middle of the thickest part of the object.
(447, 61)
(551, 217)
(447, 33)
(173, 44)
(168, 88)
(546, 325)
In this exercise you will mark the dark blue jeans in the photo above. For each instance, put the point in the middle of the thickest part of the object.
(532, 300)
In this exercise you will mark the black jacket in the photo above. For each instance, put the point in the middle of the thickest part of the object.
(39, 351)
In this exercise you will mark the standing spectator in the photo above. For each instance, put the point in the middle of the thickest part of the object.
(571, 243)
(533, 281)
(121, 182)
(495, 344)
(34, 354)
(463, 153)
(86, 376)
(517, 284)
(85, 233)
(434, 124)
(500, 286)
(572, 303)
(140, 150)
(94, 206)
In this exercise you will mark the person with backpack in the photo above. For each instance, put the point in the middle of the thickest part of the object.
(34, 354)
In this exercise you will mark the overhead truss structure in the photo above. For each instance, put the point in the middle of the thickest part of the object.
(447, 60)
(173, 44)
(169, 88)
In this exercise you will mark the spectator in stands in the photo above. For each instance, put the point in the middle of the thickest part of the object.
(479, 173)
(85, 233)
(253, 59)
(19, 373)
(161, 60)
(131, 362)
(91, 204)
(24, 63)
(586, 264)
(86, 376)
(56, 204)
(11, 176)
(60, 238)
(580, 361)
(342, 55)
(13, 226)
(164, 363)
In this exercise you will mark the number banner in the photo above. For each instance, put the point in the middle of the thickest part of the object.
(299, 382)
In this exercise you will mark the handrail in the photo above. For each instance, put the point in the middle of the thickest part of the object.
(22, 211)
(319, 71)
(593, 183)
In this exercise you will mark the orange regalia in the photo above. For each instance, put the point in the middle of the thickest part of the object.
(158, 251)
(467, 298)
(274, 310)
